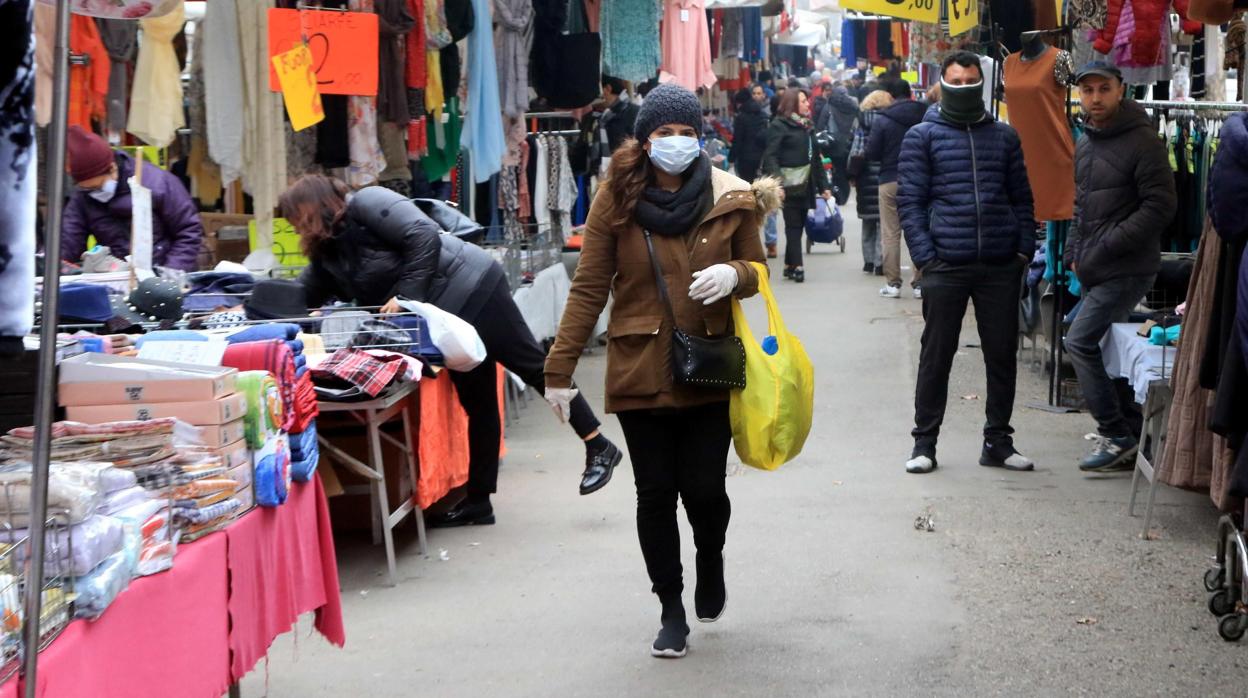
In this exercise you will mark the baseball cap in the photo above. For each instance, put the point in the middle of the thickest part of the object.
(1100, 68)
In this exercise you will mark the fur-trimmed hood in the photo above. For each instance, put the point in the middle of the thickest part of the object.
(733, 193)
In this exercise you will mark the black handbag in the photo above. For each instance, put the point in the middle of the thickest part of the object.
(705, 362)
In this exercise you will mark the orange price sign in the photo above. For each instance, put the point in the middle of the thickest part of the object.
(343, 45)
(299, 90)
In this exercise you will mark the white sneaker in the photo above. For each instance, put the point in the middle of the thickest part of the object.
(890, 292)
(918, 293)
(920, 465)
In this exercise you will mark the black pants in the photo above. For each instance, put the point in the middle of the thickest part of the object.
(509, 342)
(995, 290)
(678, 452)
(794, 224)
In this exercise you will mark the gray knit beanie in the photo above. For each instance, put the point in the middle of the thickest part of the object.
(668, 104)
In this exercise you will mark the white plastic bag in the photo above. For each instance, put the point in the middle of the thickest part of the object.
(461, 346)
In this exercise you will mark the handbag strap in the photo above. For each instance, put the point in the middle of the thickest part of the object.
(658, 280)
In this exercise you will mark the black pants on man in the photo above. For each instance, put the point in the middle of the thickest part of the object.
(508, 341)
(679, 452)
(995, 290)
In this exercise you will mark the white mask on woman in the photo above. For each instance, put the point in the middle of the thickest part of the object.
(674, 154)
(106, 192)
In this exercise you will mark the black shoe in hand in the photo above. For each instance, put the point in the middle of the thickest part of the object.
(599, 464)
(466, 513)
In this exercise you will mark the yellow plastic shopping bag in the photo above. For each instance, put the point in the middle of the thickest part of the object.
(771, 415)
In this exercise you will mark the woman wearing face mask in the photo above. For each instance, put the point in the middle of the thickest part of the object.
(791, 156)
(100, 206)
(703, 226)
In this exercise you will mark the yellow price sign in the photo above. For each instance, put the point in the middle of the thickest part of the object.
(921, 10)
(963, 16)
(299, 91)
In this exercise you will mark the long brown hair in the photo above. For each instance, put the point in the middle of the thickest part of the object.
(314, 205)
(789, 102)
(626, 180)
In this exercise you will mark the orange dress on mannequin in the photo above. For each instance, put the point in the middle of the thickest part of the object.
(1038, 112)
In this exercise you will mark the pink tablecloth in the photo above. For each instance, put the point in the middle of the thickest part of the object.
(196, 629)
(281, 566)
(10, 688)
(166, 635)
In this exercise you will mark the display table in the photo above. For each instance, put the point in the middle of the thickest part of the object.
(1130, 356)
(198, 628)
(541, 303)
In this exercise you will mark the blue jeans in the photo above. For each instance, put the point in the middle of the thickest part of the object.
(770, 230)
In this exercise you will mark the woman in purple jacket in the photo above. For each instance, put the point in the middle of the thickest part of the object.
(100, 206)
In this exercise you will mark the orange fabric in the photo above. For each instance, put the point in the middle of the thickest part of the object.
(502, 412)
(1038, 111)
(88, 84)
(443, 445)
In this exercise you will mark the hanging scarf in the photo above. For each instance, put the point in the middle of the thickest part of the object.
(121, 39)
(675, 213)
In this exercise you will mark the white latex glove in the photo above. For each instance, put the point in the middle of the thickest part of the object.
(560, 400)
(713, 283)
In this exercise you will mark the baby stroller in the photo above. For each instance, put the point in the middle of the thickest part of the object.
(825, 225)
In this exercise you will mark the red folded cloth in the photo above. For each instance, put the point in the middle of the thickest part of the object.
(306, 408)
(274, 356)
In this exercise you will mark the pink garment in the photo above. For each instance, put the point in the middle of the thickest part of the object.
(526, 198)
(166, 635)
(687, 45)
(282, 565)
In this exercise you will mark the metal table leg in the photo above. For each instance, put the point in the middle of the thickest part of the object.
(382, 517)
(412, 466)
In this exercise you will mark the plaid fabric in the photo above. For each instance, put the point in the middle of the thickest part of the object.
(370, 374)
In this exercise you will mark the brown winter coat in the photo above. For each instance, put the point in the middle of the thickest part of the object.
(614, 261)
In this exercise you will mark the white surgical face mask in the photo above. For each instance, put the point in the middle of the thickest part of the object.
(105, 193)
(674, 154)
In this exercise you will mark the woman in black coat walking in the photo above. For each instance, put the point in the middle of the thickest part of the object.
(791, 156)
(749, 132)
(866, 175)
(374, 247)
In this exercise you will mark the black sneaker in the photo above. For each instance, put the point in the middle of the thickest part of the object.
(672, 642)
(868, 268)
(599, 464)
(1110, 454)
(1003, 455)
(710, 596)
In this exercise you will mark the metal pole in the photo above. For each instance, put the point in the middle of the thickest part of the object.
(45, 399)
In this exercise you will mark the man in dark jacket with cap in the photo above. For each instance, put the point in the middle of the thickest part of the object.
(966, 208)
(884, 146)
(1124, 199)
(101, 206)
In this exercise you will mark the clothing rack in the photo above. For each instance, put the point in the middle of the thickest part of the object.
(1185, 106)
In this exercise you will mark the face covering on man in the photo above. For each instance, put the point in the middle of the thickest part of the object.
(106, 192)
(962, 104)
(674, 154)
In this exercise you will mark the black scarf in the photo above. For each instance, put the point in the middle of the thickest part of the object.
(674, 213)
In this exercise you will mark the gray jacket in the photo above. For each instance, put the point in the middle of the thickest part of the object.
(388, 247)
(1124, 199)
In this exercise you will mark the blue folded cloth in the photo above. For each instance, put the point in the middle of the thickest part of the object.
(296, 346)
(257, 333)
(171, 336)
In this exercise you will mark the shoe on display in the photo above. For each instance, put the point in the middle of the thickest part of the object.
(710, 596)
(599, 464)
(1109, 454)
(466, 513)
(1003, 455)
(918, 293)
(921, 464)
(890, 291)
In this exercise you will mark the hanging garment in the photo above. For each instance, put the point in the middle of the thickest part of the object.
(444, 139)
(367, 158)
(121, 40)
(1123, 55)
(88, 84)
(873, 41)
(264, 142)
(1014, 17)
(630, 39)
(223, 88)
(849, 48)
(1038, 111)
(541, 188)
(564, 68)
(17, 175)
(156, 111)
(513, 38)
(732, 43)
(687, 45)
(205, 175)
(395, 22)
(752, 30)
(483, 129)
(415, 46)
(1088, 14)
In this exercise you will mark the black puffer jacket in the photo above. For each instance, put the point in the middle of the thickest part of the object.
(749, 140)
(866, 173)
(387, 247)
(789, 144)
(1124, 199)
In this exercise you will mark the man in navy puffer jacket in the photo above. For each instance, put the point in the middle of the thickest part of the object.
(966, 209)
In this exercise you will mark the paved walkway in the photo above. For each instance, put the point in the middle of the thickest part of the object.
(1031, 585)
